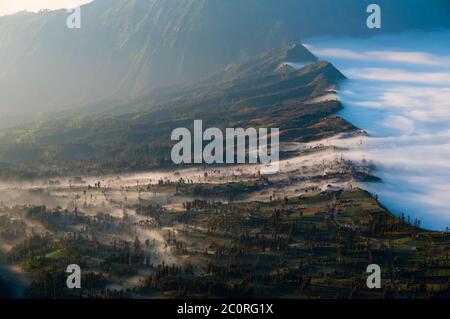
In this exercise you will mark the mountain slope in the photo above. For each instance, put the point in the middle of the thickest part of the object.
(127, 47)
(243, 96)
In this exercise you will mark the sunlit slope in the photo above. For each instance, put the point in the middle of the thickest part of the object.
(262, 92)
(127, 47)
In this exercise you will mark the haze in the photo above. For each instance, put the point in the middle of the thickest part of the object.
(13, 6)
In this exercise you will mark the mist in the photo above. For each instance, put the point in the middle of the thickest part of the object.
(399, 93)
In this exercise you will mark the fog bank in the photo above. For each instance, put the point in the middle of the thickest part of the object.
(399, 92)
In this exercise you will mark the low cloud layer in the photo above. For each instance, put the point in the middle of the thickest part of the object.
(401, 57)
(399, 75)
(399, 92)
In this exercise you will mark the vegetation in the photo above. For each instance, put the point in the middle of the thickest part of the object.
(256, 93)
(311, 246)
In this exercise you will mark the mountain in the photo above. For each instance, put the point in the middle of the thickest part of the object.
(264, 91)
(127, 48)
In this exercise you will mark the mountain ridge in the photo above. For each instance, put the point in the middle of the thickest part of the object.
(136, 137)
(127, 48)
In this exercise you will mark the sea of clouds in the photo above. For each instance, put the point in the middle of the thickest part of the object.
(399, 92)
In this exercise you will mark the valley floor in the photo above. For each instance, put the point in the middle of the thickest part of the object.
(309, 231)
